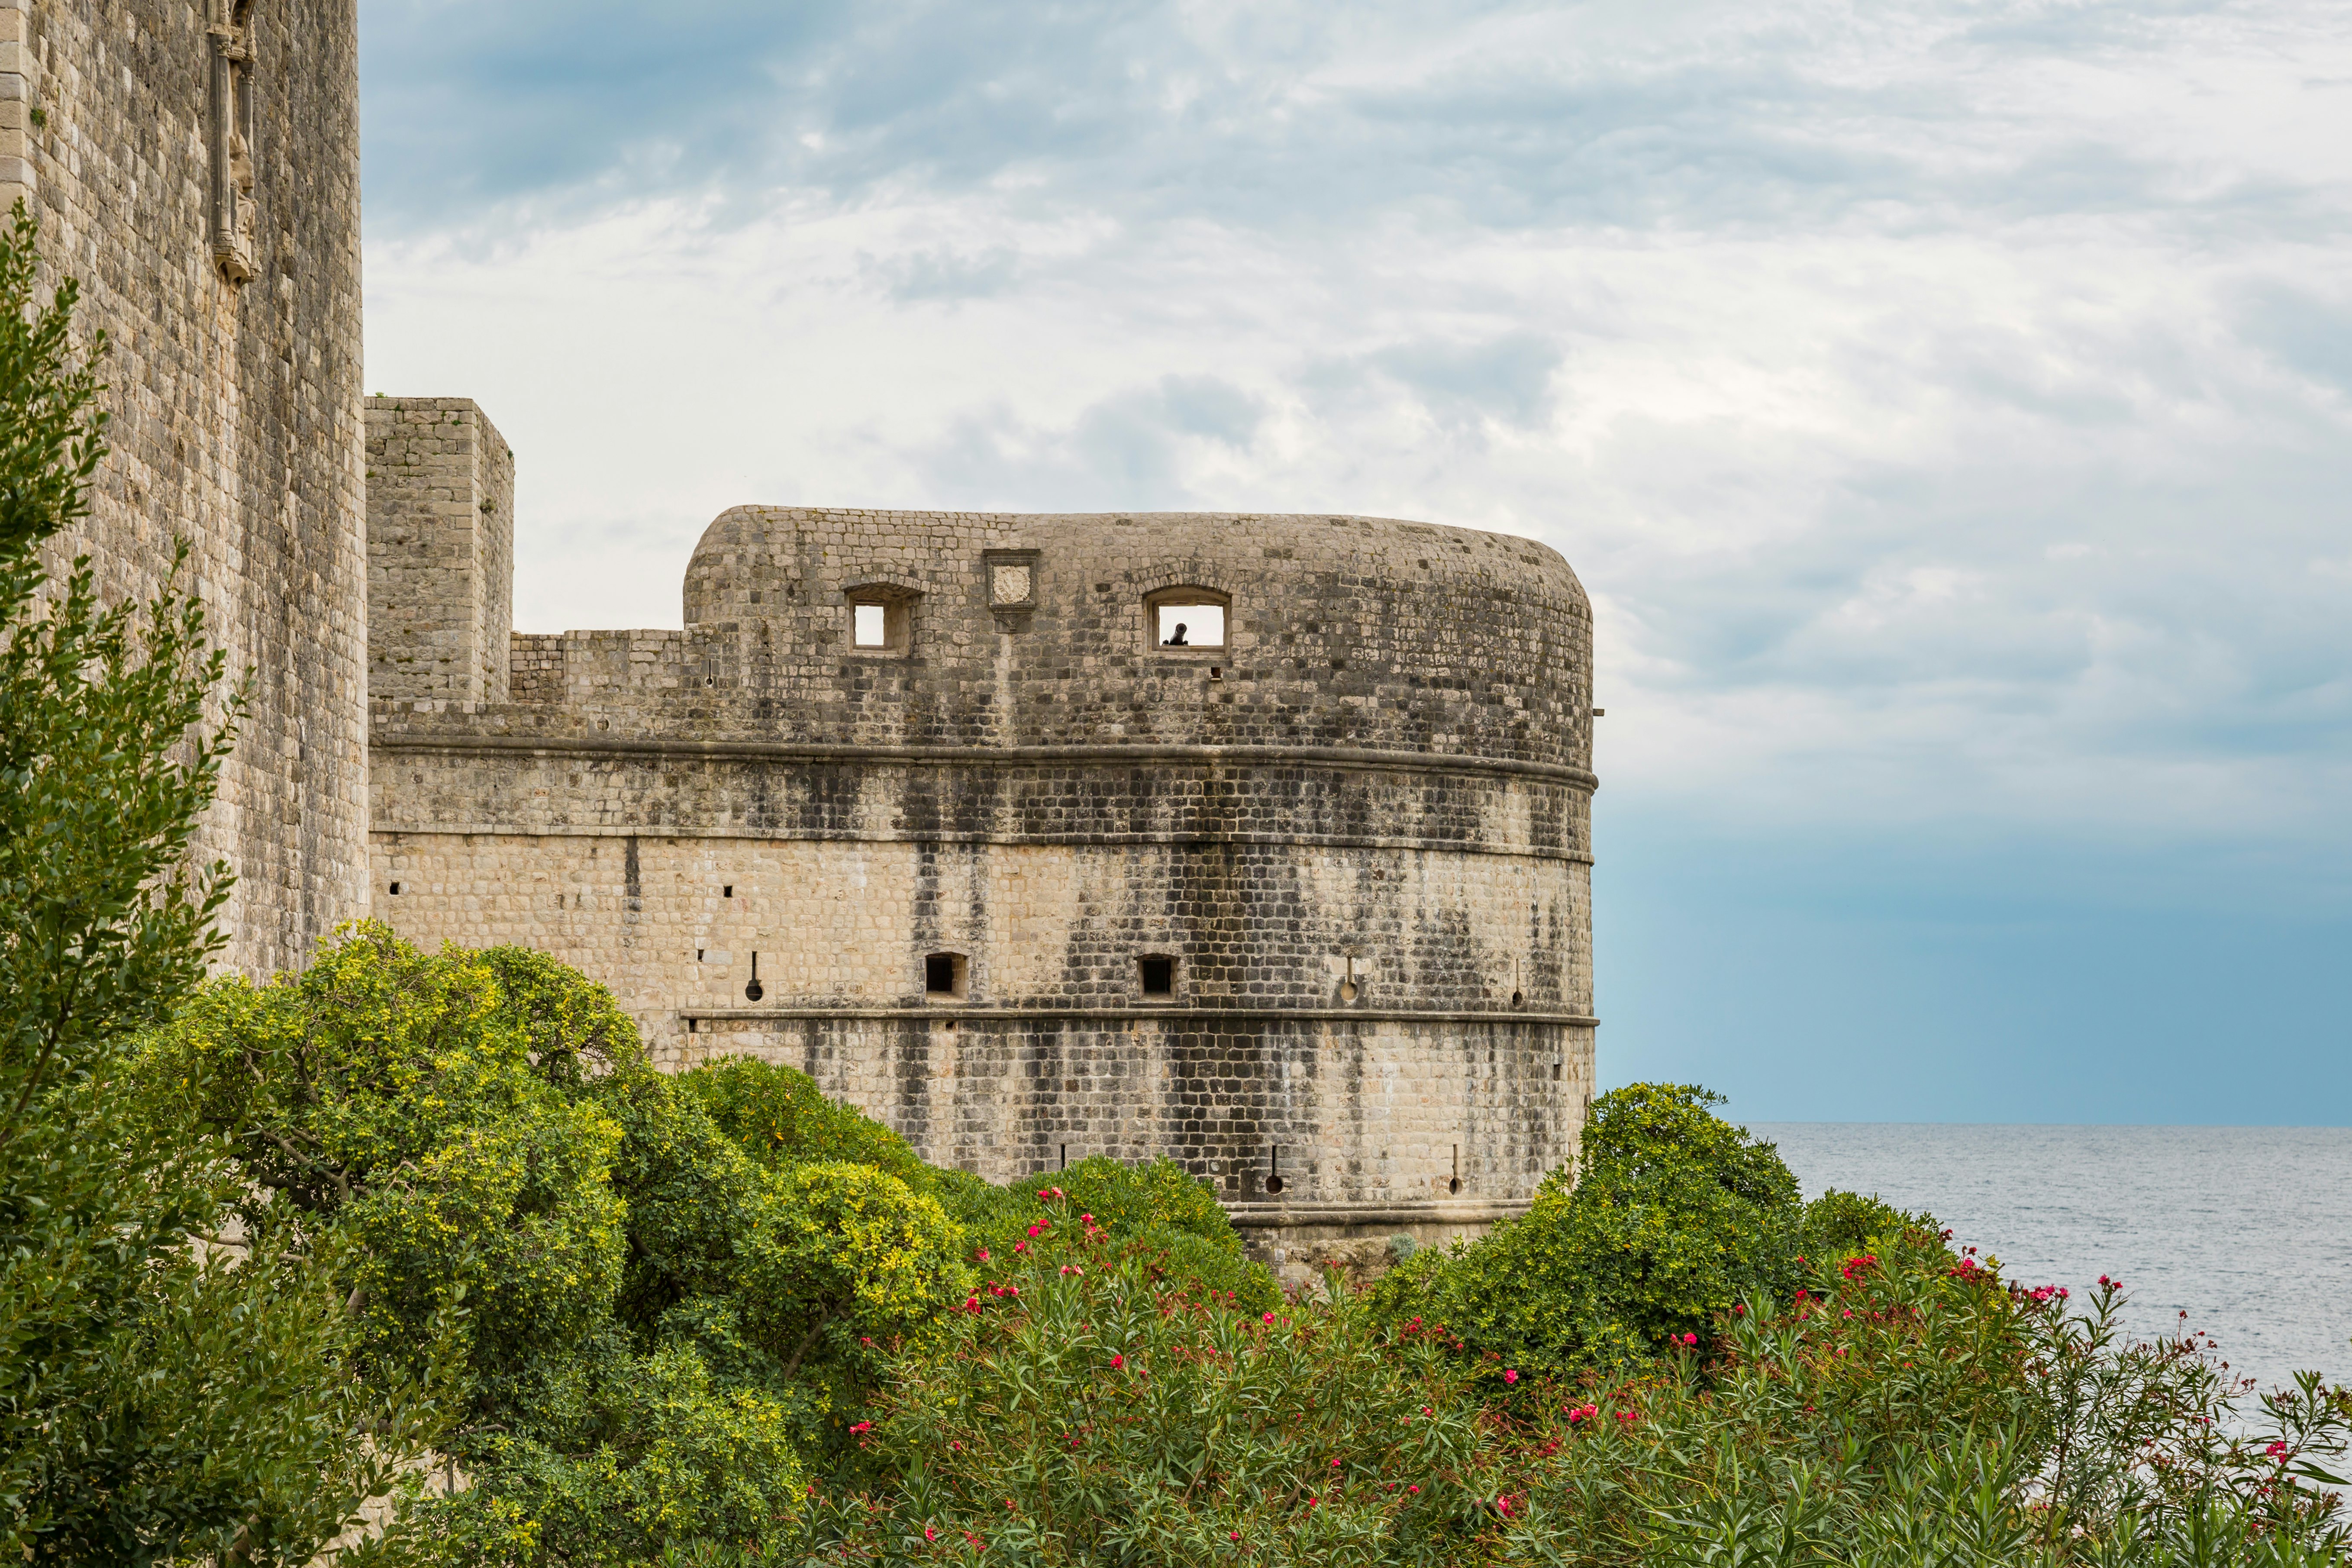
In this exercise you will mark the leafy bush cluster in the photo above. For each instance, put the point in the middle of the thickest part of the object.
(1671, 1218)
(653, 1301)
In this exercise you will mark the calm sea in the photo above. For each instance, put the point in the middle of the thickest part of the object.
(2247, 1229)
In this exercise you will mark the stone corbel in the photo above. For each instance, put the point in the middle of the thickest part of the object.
(228, 30)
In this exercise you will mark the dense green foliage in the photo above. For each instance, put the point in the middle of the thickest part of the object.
(716, 1317)
(654, 1301)
(1671, 1216)
(168, 1388)
(1904, 1408)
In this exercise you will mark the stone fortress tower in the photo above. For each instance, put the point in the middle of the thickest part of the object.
(936, 807)
(195, 163)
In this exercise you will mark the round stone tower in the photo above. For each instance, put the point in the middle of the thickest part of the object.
(1259, 842)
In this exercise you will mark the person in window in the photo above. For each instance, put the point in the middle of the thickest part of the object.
(1176, 639)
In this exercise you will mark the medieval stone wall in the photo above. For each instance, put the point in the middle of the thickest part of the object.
(236, 404)
(1355, 828)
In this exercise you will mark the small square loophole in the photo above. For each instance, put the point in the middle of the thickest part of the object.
(1157, 977)
(945, 976)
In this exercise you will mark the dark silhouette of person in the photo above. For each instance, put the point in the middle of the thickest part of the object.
(1177, 640)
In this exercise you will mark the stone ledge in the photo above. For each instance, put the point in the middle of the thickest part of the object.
(1357, 1216)
(1018, 1012)
(752, 835)
(1341, 757)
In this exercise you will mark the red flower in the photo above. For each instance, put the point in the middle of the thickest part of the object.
(862, 1427)
(929, 1534)
(1268, 1318)
(1690, 1338)
(1117, 1361)
(1510, 1376)
(1413, 1488)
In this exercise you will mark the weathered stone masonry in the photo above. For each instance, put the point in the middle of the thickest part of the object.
(196, 167)
(1357, 831)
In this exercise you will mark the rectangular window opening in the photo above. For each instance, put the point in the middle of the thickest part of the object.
(1158, 977)
(1191, 626)
(871, 625)
(944, 975)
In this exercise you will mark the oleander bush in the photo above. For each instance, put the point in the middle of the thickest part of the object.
(1901, 1407)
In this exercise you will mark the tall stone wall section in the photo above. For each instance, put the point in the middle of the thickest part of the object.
(440, 500)
(236, 404)
(1359, 830)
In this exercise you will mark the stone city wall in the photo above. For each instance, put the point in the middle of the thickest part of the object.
(236, 399)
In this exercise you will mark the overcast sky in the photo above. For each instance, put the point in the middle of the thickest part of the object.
(1948, 406)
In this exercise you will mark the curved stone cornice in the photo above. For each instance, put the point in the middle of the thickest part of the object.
(656, 748)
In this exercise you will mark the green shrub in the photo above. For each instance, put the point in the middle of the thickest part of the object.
(1674, 1215)
(780, 1117)
(395, 1100)
(629, 1457)
(1153, 1211)
(1837, 1222)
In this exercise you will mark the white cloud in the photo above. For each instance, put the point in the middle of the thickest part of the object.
(1949, 405)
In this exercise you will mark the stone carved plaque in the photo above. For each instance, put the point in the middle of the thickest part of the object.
(1011, 585)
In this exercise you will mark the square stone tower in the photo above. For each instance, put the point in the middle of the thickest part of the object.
(440, 500)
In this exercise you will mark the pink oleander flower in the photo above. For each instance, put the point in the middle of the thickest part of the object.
(983, 1255)
(1334, 1463)
(1118, 1361)
(1268, 1318)
(1020, 1247)
(929, 1534)
(1237, 1535)
(1413, 1488)
(1509, 1376)
(1086, 1219)
(861, 1428)
(1690, 1338)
